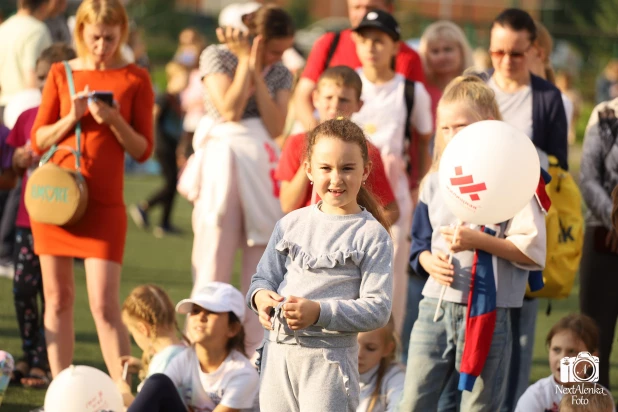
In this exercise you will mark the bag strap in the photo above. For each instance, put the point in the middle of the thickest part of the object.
(331, 50)
(408, 94)
(78, 129)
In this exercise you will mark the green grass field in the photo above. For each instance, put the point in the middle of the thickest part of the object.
(166, 262)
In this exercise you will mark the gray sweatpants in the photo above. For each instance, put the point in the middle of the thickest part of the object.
(298, 378)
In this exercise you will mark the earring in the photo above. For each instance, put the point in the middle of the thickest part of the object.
(311, 182)
(364, 181)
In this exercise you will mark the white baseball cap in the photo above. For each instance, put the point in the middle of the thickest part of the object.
(216, 297)
(233, 14)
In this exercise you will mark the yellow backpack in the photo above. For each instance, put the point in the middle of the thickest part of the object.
(565, 235)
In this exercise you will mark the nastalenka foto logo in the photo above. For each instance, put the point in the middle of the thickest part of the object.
(581, 368)
(579, 375)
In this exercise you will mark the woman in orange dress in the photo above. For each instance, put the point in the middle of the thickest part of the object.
(107, 133)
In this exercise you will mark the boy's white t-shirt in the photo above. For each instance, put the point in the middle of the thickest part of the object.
(383, 119)
(383, 115)
(234, 384)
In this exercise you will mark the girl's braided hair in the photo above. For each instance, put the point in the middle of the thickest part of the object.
(151, 305)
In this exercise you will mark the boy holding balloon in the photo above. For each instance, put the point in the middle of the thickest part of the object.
(488, 270)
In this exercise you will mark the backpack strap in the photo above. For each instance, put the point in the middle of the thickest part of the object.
(408, 95)
(78, 130)
(332, 49)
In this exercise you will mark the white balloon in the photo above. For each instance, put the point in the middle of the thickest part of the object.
(488, 172)
(83, 389)
(22, 101)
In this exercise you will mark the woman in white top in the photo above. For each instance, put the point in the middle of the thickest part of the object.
(247, 90)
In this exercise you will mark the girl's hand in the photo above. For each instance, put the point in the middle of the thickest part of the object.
(265, 301)
(236, 40)
(102, 112)
(467, 239)
(123, 387)
(301, 313)
(134, 364)
(256, 60)
(79, 104)
(436, 264)
(23, 158)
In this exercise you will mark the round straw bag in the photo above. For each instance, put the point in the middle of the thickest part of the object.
(56, 195)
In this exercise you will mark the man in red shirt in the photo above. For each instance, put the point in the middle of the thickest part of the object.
(326, 53)
(337, 94)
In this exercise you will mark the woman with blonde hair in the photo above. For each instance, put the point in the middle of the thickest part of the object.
(446, 53)
(107, 132)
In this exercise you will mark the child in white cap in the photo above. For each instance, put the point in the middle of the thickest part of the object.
(215, 370)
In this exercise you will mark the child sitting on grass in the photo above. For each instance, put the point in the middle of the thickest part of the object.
(571, 336)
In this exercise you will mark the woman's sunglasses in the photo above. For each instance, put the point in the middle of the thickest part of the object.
(499, 54)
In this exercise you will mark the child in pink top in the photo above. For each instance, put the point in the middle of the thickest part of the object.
(28, 282)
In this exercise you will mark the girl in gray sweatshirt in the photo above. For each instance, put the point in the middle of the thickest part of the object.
(325, 276)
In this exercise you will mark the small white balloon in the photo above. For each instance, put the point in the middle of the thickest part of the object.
(83, 389)
(489, 172)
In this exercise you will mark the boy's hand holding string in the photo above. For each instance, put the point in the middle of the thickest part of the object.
(438, 266)
(470, 239)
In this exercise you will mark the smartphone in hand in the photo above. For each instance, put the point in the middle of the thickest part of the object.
(103, 96)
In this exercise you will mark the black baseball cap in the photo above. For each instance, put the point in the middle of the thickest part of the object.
(380, 20)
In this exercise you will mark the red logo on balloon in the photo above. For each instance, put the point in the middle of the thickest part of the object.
(466, 184)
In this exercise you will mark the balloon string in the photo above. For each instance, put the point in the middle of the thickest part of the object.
(450, 260)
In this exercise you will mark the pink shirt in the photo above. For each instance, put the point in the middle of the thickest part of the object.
(20, 136)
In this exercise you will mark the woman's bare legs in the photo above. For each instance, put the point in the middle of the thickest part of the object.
(103, 282)
(59, 291)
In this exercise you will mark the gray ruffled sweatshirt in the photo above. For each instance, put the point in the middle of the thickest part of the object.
(344, 262)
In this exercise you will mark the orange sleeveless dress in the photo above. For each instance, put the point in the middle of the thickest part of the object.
(101, 233)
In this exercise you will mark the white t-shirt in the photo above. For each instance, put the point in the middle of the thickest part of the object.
(568, 109)
(24, 38)
(516, 110)
(159, 362)
(542, 396)
(383, 115)
(234, 384)
(390, 391)
(383, 119)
